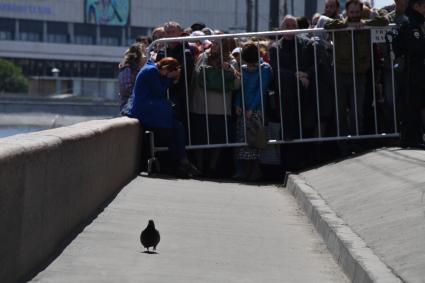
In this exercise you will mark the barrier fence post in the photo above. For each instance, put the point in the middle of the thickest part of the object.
(336, 86)
(373, 83)
(261, 81)
(298, 88)
(203, 65)
(187, 93)
(354, 84)
(243, 95)
(224, 91)
(390, 39)
(317, 90)
(279, 86)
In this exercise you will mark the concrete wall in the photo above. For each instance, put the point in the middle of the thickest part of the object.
(44, 106)
(52, 181)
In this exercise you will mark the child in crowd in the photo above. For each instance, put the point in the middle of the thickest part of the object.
(255, 81)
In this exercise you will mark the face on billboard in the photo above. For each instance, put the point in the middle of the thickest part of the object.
(107, 12)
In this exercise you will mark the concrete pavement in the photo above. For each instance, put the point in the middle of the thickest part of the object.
(370, 210)
(210, 232)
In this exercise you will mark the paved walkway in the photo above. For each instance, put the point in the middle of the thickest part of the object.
(210, 232)
(380, 196)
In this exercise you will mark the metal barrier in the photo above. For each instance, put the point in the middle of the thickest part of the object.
(338, 122)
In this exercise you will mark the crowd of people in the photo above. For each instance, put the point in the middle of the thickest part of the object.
(300, 85)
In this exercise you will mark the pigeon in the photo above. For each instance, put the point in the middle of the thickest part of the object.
(150, 236)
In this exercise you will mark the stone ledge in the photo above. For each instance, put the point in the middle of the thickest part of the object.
(52, 181)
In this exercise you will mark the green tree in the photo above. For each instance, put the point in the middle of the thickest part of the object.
(11, 78)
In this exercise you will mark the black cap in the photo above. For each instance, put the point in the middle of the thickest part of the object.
(197, 26)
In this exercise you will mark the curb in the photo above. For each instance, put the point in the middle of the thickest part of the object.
(357, 260)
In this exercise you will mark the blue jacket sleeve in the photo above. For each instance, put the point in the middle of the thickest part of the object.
(255, 101)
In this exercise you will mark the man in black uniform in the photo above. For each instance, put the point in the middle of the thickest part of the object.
(410, 43)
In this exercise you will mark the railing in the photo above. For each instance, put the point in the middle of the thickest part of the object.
(339, 124)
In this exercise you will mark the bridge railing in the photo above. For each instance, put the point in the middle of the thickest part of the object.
(345, 99)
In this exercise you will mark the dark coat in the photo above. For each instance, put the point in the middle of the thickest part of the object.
(285, 70)
(410, 43)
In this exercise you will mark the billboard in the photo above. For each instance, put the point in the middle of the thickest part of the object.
(107, 12)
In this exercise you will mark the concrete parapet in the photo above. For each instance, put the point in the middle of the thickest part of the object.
(54, 180)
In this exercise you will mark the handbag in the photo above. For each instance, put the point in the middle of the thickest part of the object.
(255, 133)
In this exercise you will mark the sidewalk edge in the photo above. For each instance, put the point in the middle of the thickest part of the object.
(356, 259)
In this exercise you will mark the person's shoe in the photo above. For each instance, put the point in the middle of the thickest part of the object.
(239, 177)
(193, 171)
(255, 175)
(187, 170)
(182, 173)
(415, 146)
(411, 144)
(241, 170)
(213, 173)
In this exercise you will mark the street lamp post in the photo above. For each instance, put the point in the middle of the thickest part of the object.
(55, 72)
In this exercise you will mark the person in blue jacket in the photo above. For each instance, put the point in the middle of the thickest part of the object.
(248, 109)
(149, 104)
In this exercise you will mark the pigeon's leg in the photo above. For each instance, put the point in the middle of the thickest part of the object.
(148, 249)
(154, 248)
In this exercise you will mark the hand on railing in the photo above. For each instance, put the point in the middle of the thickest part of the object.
(356, 25)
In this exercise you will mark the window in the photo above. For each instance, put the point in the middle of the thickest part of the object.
(29, 36)
(57, 32)
(89, 69)
(110, 35)
(109, 41)
(30, 30)
(36, 68)
(7, 29)
(84, 34)
(84, 39)
(76, 69)
(5, 35)
(137, 31)
(57, 38)
(108, 70)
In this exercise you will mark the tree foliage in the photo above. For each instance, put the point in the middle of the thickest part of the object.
(11, 78)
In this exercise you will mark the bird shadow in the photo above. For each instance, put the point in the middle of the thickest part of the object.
(149, 252)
